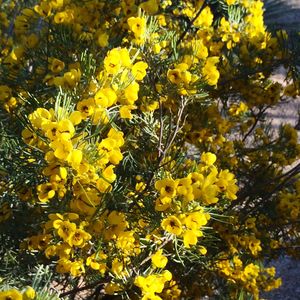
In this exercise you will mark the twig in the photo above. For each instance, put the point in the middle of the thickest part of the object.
(191, 23)
(158, 248)
(179, 116)
(160, 151)
(257, 118)
(79, 289)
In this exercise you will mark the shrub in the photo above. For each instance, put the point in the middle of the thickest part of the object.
(137, 161)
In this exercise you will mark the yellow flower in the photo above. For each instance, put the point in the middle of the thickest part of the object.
(174, 76)
(227, 184)
(44, 9)
(75, 117)
(61, 17)
(156, 48)
(184, 188)
(250, 271)
(190, 237)
(56, 65)
(39, 117)
(76, 268)
(12, 294)
(103, 186)
(126, 242)
(75, 158)
(159, 260)
(115, 59)
(50, 129)
(202, 250)
(57, 3)
(45, 191)
(200, 49)
(64, 228)
(111, 288)
(100, 116)
(97, 261)
(236, 110)
(66, 129)
(208, 158)
(108, 174)
(31, 41)
(137, 25)
(78, 238)
(63, 250)
(204, 188)
(152, 106)
(117, 136)
(195, 220)
(125, 111)
(162, 203)
(71, 78)
(29, 293)
(117, 224)
(62, 148)
(139, 70)
(172, 225)
(150, 6)
(105, 97)
(103, 39)
(210, 71)
(230, 2)
(149, 285)
(115, 156)
(86, 107)
(131, 92)
(205, 19)
(117, 267)
(125, 58)
(254, 245)
(166, 187)
(180, 74)
(161, 20)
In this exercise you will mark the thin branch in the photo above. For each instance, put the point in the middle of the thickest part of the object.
(257, 118)
(158, 248)
(177, 128)
(161, 124)
(191, 23)
(79, 289)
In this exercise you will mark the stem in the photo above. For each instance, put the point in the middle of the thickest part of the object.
(191, 23)
(257, 118)
(79, 289)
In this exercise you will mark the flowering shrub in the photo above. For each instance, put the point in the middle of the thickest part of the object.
(136, 159)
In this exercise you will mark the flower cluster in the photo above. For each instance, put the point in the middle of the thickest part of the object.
(252, 277)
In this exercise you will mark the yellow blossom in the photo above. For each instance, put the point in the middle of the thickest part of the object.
(139, 70)
(158, 259)
(172, 225)
(137, 25)
(12, 294)
(29, 293)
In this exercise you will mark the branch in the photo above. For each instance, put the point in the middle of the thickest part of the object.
(191, 23)
(86, 287)
(257, 118)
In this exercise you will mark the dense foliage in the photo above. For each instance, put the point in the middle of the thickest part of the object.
(136, 158)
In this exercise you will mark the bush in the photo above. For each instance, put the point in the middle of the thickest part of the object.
(137, 161)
